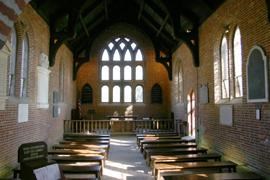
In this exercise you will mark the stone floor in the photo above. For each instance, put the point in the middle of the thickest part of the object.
(125, 161)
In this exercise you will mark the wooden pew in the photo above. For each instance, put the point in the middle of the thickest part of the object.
(66, 159)
(82, 146)
(93, 138)
(139, 139)
(164, 141)
(168, 146)
(96, 142)
(172, 151)
(156, 134)
(216, 176)
(86, 135)
(77, 152)
(183, 158)
(86, 168)
(176, 168)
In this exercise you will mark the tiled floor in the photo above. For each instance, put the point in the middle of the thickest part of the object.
(125, 161)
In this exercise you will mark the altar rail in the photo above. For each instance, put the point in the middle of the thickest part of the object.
(118, 126)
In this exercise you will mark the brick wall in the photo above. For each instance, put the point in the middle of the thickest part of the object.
(247, 141)
(41, 126)
(89, 73)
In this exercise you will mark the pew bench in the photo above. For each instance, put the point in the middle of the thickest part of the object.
(83, 135)
(139, 139)
(172, 151)
(183, 158)
(82, 146)
(168, 146)
(164, 141)
(66, 159)
(216, 176)
(77, 152)
(139, 136)
(178, 168)
(95, 142)
(86, 168)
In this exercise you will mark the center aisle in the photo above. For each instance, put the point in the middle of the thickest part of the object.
(125, 161)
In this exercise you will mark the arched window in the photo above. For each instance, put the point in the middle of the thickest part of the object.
(24, 67)
(116, 73)
(122, 71)
(116, 94)
(224, 63)
(257, 75)
(127, 73)
(12, 63)
(237, 54)
(105, 73)
(139, 55)
(127, 94)
(105, 56)
(139, 73)
(104, 94)
(156, 94)
(87, 94)
(139, 94)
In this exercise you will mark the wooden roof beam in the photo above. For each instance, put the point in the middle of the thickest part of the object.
(141, 10)
(163, 25)
(83, 25)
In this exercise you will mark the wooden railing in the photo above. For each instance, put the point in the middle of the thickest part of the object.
(117, 126)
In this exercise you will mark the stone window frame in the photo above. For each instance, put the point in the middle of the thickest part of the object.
(133, 63)
(231, 98)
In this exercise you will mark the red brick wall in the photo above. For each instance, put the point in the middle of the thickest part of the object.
(41, 126)
(247, 141)
(88, 73)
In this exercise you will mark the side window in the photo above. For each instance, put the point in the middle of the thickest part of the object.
(237, 57)
(224, 66)
(24, 67)
(12, 63)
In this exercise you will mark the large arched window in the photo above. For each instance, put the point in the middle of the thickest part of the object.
(224, 63)
(122, 72)
(237, 54)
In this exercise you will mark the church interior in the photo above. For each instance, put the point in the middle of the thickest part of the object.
(153, 76)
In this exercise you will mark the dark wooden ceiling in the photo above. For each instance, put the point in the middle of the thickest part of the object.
(168, 23)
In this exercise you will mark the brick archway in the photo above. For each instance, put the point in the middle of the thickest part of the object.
(9, 11)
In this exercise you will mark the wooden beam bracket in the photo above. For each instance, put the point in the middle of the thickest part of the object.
(166, 61)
